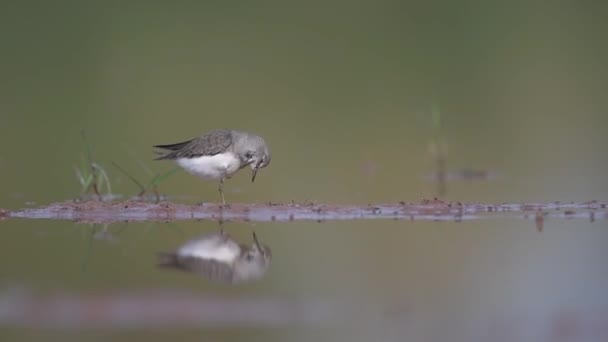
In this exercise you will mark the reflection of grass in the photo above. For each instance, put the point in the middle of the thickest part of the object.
(99, 233)
(151, 185)
(91, 175)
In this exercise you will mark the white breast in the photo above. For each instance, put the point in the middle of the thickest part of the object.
(211, 250)
(211, 167)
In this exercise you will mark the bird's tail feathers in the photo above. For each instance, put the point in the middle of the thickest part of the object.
(167, 260)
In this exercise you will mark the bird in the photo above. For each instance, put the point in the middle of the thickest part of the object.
(220, 258)
(219, 154)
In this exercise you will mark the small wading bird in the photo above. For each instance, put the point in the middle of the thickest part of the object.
(220, 258)
(219, 154)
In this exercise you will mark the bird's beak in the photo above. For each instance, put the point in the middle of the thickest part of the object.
(254, 172)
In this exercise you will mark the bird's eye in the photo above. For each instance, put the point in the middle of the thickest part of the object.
(249, 155)
(249, 257)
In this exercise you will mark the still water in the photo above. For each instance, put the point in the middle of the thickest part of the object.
(354, 280)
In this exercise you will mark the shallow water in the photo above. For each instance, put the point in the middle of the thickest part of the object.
(485, 279)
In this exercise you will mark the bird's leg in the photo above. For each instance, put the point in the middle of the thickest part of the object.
(221, 190)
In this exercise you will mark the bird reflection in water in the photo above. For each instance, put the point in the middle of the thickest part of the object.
(220, 258)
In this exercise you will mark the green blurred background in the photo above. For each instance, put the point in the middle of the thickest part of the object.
(342, 92)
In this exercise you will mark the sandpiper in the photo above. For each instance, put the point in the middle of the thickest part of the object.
(219, 154)
(218, 257)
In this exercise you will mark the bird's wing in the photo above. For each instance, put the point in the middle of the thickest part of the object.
(210, 144)
(174, 147)
(208, 268)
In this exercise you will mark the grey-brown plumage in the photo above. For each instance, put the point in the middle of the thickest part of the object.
(218, 257)
(210, 144)
(208, 268)
(219, 154)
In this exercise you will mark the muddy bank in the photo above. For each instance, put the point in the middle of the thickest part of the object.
(425, 210)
